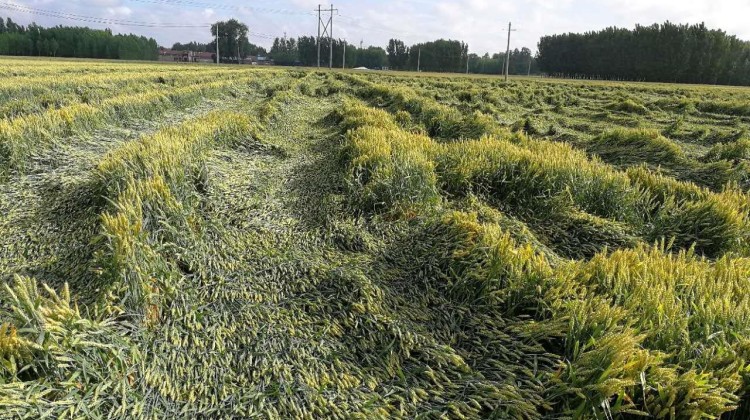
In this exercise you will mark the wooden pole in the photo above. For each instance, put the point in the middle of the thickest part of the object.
(507, 54)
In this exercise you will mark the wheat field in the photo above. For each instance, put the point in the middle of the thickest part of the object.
(186, 241)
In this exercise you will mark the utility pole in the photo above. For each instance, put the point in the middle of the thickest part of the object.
(330, 41)
(419, 60)
(528, 73)
(326, 29)
(467, 63)
(343, 65)
(507, 53)
(318, 36)
(218, 60)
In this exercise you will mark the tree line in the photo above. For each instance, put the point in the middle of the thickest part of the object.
(303, 51)
(64, 41)
(659, 53)
(436, 56)
(451, 56)
(522, 62)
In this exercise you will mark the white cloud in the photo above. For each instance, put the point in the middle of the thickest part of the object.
(119, 11)
(97, 3)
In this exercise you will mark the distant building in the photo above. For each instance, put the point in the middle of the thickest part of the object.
(263, 61)
(257, 60)
(166, 54)
(174, 55)
(203, 57)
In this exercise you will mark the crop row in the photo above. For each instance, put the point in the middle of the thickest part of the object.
(643, 330)
(34, 79)
(95, 361)
(667, 127)
(24, 99)
(22, 67)
(21, 136)
(550, 184)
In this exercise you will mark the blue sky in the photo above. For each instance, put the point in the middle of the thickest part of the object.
(481, 23)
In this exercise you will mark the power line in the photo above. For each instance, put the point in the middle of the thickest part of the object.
(327, 29)
(260, 35)
(110, 21)
(199, 4)
(218, 57)
(93, 19)
(507, 52)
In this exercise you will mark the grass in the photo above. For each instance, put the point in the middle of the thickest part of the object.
(628, 106)
(637, 146)
(303, 244)
(735, 151)
(725, 107)
(518, 276)
(22, 136)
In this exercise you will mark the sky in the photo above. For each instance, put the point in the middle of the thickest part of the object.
(482, 24)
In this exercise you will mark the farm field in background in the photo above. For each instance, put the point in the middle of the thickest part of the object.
(226, 241)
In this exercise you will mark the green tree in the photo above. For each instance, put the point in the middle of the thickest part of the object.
(53, 47)
(284, 51)
(659, 52)
(307, 49)
(73, 42)
(44, 47)
(194, 46)
(372, 58)
(232, 38)
(439, 56)
(12, 27)
(398, 54)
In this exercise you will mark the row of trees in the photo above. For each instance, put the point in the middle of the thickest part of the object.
(303, 51)
(63, 41)
(436, 56)
(451, 56)
(659, 53)
(521, 62)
